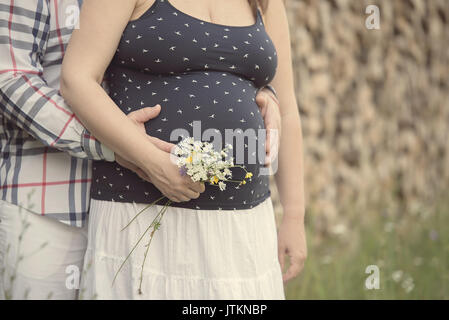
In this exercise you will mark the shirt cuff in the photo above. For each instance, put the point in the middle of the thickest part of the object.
(94, 149)
(108, 154)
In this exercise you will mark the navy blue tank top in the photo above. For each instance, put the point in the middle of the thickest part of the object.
(205, 76)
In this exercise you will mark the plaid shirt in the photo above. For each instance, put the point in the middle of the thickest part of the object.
(45, 150)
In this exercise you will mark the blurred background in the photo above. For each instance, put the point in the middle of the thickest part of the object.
(374, 106)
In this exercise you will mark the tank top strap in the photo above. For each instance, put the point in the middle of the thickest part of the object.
(259, 15)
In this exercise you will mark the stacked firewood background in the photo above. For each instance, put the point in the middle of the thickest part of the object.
(374, 105)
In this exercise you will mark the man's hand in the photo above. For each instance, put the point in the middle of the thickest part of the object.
(145, 114)
(139, 117)
(269, 108)
(162, 172)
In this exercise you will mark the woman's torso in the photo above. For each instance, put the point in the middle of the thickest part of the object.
(205, 76)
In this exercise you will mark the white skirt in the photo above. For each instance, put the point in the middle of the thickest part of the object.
(195, 254)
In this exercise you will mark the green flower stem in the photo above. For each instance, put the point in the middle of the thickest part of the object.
(140, 239)
(242, 167)
(155, 227)
(148, 206)
(236, 181)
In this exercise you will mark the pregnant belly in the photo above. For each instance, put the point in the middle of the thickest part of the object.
(210, 106)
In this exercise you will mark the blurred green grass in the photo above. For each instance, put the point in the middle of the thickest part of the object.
(411, 251)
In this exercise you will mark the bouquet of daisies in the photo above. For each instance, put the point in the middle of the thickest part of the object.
(202, 163)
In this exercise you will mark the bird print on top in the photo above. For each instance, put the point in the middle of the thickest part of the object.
(198, 71)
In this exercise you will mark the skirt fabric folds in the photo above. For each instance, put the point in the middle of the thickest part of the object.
(195, 254)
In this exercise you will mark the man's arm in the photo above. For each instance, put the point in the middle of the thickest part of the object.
(25, 98)
(273, 93)
(266, 99)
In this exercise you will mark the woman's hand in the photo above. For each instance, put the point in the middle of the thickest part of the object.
(167, 178)
(165, 175)
(292, 242)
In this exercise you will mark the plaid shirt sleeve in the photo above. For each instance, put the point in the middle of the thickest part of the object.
(25, 97)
